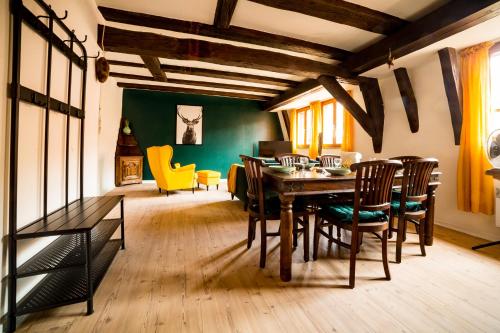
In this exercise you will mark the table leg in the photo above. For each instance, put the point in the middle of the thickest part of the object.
(286, 232)
(429, 216)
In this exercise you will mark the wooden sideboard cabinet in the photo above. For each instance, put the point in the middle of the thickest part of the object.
(128, 170)
(128, 157)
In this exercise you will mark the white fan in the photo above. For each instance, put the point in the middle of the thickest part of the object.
(494, 148)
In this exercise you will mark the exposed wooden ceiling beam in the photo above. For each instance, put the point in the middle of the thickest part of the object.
(292, 94)
(237, 34)
(450, 68)
(191, 91)
(146, 43)
(408, 97)
(213, 74)
(372, 120)
(340, 94)
(154, 66)
(224, 13)
(451, 18)
(341, 12)
(199, 83)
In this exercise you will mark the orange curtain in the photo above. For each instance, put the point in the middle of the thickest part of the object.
(348, 136)
(293, 130)
(475, 190)
(317, 128)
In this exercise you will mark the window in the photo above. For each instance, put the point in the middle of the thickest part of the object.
(495, 80)
(494, 121)
(304, 127)
(333, 129)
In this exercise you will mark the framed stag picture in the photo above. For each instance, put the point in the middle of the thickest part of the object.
(189, 129)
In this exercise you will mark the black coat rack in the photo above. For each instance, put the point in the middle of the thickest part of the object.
(75, 262)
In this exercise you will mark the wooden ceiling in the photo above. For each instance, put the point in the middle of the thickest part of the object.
(219, 57)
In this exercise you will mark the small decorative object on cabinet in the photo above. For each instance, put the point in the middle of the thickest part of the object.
(128, 157)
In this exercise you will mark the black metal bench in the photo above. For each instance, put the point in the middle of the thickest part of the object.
(75, 262)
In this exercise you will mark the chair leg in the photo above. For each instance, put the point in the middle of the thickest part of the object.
(192, 189)
(251, 231)
(167, 193)
(263, 243)
(316, 236)
(306, 237)
(391, 223)
(330, 230)
(360, 241)
(217, 186)
(159, 190)
(399, 239)
(352, 261)
(339, 232)
(421, 236)
(295, 232)
(384, 255)
(404, 230)
(207, 187)
(232, 196)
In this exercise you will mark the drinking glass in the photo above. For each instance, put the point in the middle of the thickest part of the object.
(303, 162)
(337, 162)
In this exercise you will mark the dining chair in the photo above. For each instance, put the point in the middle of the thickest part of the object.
(326, 161)
(369, 212)
(411, 206)
(289, 159)
(396, 194)
(405, 158)
(264, 206)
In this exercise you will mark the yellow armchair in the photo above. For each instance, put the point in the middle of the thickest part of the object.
(168, 178)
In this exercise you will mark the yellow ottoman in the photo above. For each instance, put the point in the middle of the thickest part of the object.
(208, 177)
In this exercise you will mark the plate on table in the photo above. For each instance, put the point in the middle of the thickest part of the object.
(281, 168)
(307, 166)
(338, 171)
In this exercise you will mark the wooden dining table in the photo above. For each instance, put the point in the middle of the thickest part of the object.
(306, 183)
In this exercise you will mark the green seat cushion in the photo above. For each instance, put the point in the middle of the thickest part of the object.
(411, 206)
(272, 203)
(344, 213)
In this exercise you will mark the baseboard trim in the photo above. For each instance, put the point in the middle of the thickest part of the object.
(484, 235)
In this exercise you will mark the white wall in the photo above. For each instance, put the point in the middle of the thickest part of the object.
(110, 112)
(99, 144)
(434, 138)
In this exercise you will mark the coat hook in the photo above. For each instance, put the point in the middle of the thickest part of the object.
(84, 40)
(88, 57)
(44, 16)
(71, 36)
(65, 15)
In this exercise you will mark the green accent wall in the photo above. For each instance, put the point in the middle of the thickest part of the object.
(230, 127)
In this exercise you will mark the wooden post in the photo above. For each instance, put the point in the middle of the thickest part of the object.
(409, 100)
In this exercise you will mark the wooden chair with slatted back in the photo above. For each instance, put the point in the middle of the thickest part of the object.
(396, 194)
(263, 209)
(326, 161)
(369, 213)
(289, 159)
(405, 158)
(411, 206)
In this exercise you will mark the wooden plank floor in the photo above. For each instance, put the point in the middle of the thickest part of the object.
(186, 269)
